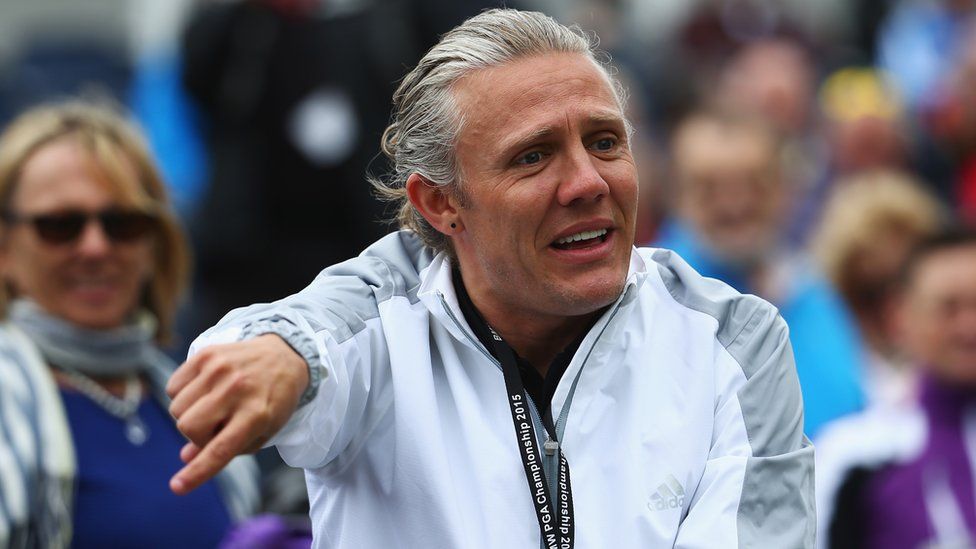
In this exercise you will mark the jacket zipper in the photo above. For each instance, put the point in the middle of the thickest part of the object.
(551, 445)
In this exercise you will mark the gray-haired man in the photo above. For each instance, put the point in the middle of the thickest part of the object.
(509, 368)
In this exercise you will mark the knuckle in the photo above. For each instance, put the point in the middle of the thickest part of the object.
(184, 426)
(242, 383)
(222, 451)
(190, 430)
(202, 357)
(176, 410)
(220, 367)
(262, 417)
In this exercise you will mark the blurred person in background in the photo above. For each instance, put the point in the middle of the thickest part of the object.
(93, 263)
(863, 129)
(870, 224)
(864, 126)
(952, 124)
(902, 477)
(926, 46)
(917, 44)
(731, 209)
(774, 78)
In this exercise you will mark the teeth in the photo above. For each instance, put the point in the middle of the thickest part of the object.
(585, 235)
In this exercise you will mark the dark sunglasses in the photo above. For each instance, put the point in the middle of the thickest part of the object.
(66, 226)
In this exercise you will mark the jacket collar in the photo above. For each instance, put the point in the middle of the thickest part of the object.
(438, 295)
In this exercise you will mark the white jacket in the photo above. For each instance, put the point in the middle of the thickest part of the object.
(680, 414)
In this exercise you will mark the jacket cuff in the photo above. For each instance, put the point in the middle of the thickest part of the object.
(299, 341)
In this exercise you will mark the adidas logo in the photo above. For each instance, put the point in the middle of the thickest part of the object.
(669, 495)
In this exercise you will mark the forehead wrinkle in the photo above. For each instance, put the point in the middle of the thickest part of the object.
(528, 98)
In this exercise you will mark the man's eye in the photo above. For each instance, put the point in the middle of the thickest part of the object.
(605, 144)
(533, 157)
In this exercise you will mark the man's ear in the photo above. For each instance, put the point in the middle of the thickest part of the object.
(438, 207)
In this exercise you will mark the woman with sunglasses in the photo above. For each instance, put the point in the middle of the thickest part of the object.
(93, 262)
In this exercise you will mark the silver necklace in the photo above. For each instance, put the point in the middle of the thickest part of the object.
(124, 408)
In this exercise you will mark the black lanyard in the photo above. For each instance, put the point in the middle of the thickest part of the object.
(555, 520)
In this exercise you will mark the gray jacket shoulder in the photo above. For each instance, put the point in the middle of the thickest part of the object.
(346, 295)
(749, 327)
(389, 267)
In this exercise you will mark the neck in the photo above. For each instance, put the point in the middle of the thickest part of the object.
(537, 340)
(535, 336)
(119, 352)
(114, 385)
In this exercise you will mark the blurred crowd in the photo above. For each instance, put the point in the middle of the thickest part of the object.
(821, 155)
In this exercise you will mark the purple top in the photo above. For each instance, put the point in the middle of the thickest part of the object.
(899, 498)
(269, 532)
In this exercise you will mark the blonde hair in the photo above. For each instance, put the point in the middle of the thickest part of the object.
(115, 146)
(862, 210)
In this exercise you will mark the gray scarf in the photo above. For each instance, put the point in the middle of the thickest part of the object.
(100, 353)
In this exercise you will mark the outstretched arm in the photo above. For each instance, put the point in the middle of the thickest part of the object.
(229, 399)
(327, 359)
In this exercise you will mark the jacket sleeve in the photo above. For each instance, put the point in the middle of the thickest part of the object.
(335, 325)
(758, 483)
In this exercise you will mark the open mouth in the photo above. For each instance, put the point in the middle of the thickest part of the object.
(584, 239)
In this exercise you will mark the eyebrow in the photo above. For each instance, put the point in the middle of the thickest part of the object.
(594, 119)
(526, 140)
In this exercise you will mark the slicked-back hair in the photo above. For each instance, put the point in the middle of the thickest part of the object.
(426, 122)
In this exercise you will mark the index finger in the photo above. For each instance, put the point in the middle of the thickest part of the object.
(231, 441)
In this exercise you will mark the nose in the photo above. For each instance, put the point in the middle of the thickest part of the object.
(93, 241)
(735, 196)
(581, 180)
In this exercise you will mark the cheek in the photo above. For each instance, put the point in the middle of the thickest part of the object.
(142, 262)
(623, 183)
(28, 269)
(523, 211)
(928, 341)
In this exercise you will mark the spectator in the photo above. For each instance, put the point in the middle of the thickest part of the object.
(93, 263)
(923, 46)
(731, 210)
(774, 78)
(871, 222)
(863, 123)
(952, 124)
(902, 477)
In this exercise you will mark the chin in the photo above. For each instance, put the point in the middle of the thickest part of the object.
(593, 297)
(95, 320)
(958, 375)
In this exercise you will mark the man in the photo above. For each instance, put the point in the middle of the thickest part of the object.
(903, 476)
(510, 369)
(732, 204)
